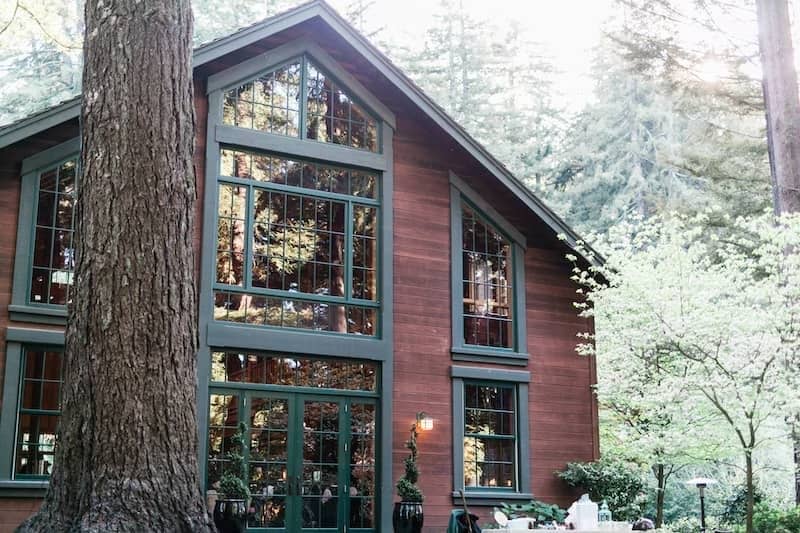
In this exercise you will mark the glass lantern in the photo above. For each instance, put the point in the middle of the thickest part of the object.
(604, 514)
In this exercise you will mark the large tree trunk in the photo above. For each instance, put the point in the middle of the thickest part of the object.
(126, 458)
(661, 479)
(782, 104)
(783, 132)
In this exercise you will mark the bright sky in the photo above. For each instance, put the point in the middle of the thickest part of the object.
(569, 29)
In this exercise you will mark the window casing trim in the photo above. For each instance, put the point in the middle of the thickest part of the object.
(17, 340)
(462, 194)
(21, 309)
(520, 380)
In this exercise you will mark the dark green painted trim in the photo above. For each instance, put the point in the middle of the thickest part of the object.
(318, 151)
(8, 410)
(39, 122)
(245, 182)
(523, 467)
(490, 374)
(251, 337)
(23, 489)
(277, 57)
(38, 315)
(491, 498)
(487, 210)
(260, 387)
(35, 336)
(459, 193)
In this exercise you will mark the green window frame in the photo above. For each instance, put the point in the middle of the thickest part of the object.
(48, 184)
(28, 392)
(245, 290)
(509, 327)
(509, 464)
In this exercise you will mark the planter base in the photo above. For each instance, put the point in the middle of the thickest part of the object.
(407, 517)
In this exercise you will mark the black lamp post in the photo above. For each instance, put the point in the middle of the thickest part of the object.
(701, 483)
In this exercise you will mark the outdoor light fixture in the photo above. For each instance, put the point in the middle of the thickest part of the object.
(701, 483)
(424, 422)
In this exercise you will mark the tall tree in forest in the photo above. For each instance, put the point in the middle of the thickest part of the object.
(126, 458)
(783, 130)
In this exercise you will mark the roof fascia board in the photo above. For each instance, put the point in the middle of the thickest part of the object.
(40, 122)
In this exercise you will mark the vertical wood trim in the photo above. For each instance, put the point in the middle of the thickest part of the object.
(458, 434)
(10, 411)
(456, 269)
(520, 318)
(205, 313)
(524, 472)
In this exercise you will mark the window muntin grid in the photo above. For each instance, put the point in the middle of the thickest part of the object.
(487, 289)
(53, 260)
(39, 412)
(272, 103)
(275, 369)
(223, 421)
(490, 436)
(332, 115)
(300, 239)
(268, 103)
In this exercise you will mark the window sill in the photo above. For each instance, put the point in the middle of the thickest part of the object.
(475, 354)
(37, 315)
(23, 488)
(490, 497)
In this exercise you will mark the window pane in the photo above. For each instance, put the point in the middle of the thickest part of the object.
(332, 115)
(487, 283)
(269, 103)
(271, 369)
(39, 412)
(489, 436)
(53, 249)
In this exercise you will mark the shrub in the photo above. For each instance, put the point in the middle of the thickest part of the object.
(542, 512)
(614, 481)
(735, 510)
(767, 519)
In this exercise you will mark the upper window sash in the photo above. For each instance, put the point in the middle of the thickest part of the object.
(45, 257)
(463, 196)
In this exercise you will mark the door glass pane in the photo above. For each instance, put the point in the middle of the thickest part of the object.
(320, 484)
(269, 434)
(223, 418)
(362, 466)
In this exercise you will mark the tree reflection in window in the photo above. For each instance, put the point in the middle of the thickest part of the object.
(489, 436)
(53, 252)
(487, 274)
(312, 236)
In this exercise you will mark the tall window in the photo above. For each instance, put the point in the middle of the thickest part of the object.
(53, 252)
(487, 283)
(297, 244)
(490, 436)
(299, 99)
(39, 411)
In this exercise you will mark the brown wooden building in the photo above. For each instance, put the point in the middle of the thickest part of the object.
(362, 259)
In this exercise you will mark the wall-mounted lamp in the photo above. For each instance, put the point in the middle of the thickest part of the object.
(424, 422)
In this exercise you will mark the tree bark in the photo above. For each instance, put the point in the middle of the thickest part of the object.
(126, 458)
(661, 479)
(782, 103)
(783, 132)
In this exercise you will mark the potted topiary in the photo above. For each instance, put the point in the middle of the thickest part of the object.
(408, 516)
(230, 510)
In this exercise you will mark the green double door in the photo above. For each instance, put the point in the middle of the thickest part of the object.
(310, 459)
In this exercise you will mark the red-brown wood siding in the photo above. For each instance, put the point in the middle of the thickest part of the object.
(561, 407)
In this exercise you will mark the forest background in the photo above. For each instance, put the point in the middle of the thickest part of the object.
(612, 111)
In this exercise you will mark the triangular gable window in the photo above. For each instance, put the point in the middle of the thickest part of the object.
(271, 103)
(333, 116)
(268, 103)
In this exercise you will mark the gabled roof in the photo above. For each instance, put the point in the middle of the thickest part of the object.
(213, 50)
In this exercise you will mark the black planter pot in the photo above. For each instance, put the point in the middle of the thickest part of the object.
(407, 517)
(230, 516)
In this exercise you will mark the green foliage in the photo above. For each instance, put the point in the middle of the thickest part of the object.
(735, 510)
(407, 487)
(542, 512)
(615, 481)
(768, 519)
(233, 484)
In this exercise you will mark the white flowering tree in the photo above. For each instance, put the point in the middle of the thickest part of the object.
(697, 330)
